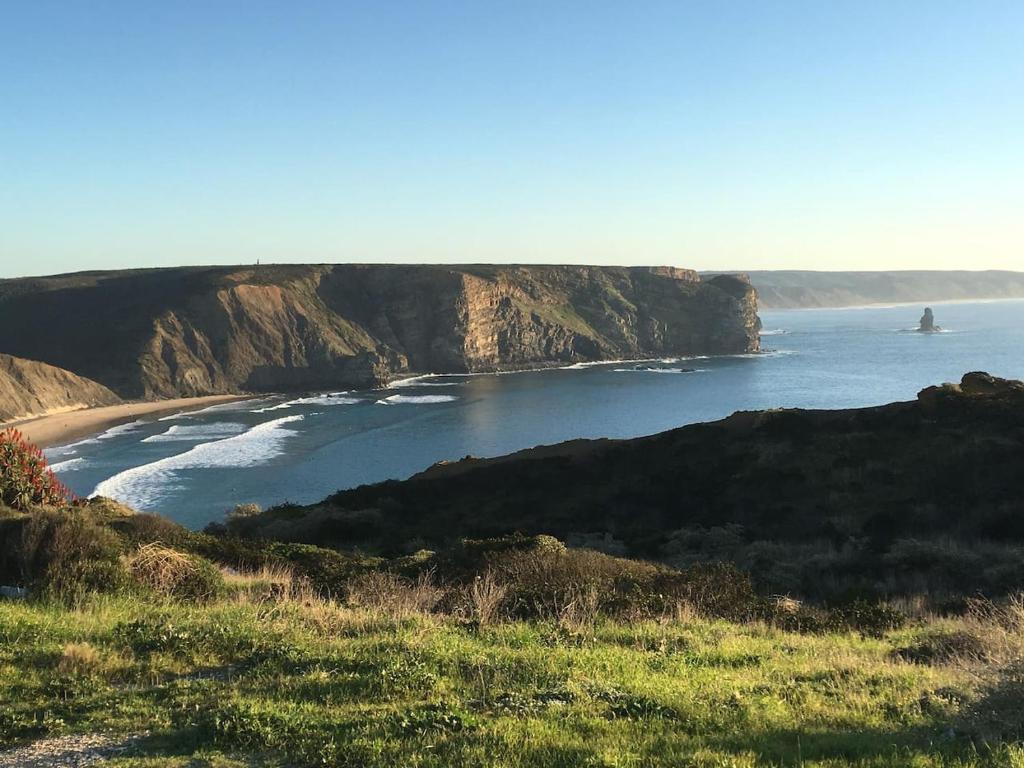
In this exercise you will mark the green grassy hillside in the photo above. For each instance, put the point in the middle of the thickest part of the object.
(164, 647)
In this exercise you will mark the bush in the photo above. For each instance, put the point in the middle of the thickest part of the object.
(867, 618)
(143, 528)
(67, 553)
(543, 579)
(25, 478)
(943, 648)
(176, 574)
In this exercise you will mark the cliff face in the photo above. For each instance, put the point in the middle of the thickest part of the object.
(163, 333)
(28, 388)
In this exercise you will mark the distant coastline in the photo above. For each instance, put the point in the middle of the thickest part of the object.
(796, 289)
(896, 305)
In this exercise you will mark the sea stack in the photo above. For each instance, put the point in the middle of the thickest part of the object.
(928, 322)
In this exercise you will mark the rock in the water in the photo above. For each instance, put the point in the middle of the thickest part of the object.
(928, 322)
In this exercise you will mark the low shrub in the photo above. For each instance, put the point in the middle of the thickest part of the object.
(998, 714)
(142, 528)
(67, 553)
(540, 578)
(943, 648)
(867, 618)
(175, 574)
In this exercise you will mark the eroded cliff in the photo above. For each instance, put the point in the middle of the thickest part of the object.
(164, 333)
(28, 388)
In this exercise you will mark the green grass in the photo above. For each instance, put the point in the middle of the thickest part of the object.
(309, 682)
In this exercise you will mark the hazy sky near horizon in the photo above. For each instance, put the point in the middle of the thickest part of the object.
(714, 135)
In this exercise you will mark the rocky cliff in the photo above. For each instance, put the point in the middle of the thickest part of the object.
(28, 388)
(194, 331)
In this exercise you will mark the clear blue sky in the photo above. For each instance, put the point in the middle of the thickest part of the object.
(719, 134)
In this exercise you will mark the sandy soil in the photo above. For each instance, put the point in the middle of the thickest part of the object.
(58, 428)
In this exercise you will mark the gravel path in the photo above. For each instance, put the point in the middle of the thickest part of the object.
(66, 751)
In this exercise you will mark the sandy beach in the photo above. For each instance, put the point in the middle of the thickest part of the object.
(64, 427)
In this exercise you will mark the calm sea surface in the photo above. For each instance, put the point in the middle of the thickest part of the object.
(194, 467)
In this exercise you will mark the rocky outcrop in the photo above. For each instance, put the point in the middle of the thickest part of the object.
(179, 332)
(28, 388)
(927, 324)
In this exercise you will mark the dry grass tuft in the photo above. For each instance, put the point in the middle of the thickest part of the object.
(393, 596)
(486, 597)
(276, 583)
(80, 660)
(579, 608)
(171, 573)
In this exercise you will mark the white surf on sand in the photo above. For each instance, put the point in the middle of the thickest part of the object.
(142, 487)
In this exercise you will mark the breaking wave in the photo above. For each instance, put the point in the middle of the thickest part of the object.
(70, 465)
(422, 381)
(143, 486)
(332, 398)
(413, 399)
(180, 432)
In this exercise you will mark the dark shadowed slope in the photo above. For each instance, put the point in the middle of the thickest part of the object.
(806, 500)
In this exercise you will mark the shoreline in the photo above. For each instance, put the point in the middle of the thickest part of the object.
(59, 428)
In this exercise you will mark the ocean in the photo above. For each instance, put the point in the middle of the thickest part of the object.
(195, 467)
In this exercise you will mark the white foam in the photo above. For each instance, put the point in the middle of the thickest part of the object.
(143, 486)
(196, 432)
(416, 399)
(68, 466)
(775, 332)
(422, 381)
(659, 370)
(330, 398)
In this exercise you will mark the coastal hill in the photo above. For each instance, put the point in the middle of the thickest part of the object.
(197, 331)
(889, 499)
(29, 388)
(807, 289)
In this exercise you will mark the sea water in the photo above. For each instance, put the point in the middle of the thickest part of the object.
(194, 467)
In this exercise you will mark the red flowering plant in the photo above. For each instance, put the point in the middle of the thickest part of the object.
(25, 477)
